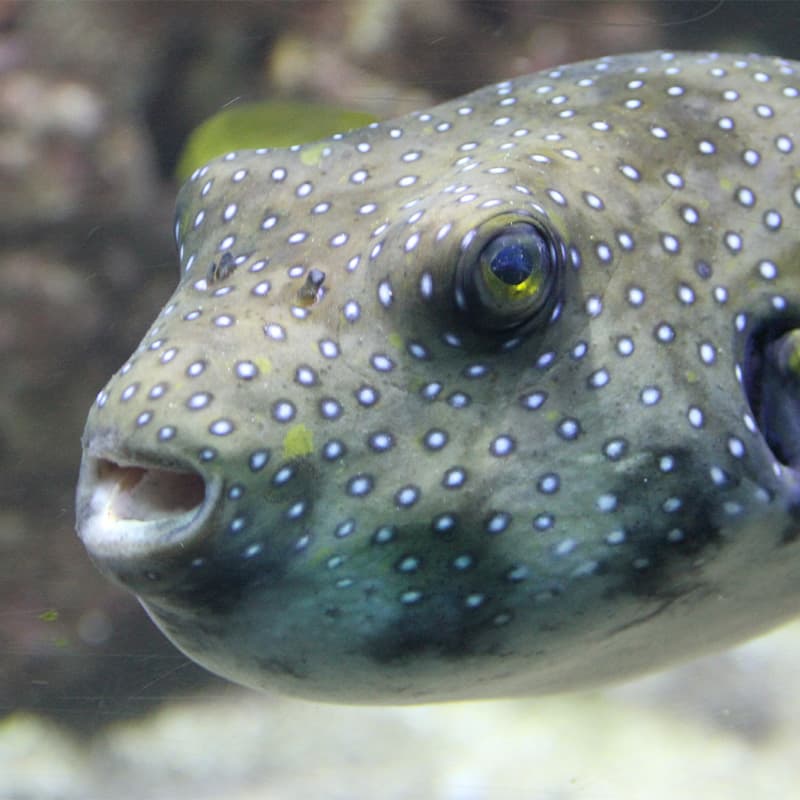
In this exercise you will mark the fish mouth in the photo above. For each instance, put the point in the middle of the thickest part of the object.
(131, 508)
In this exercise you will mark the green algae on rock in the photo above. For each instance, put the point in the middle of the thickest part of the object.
(273, 123)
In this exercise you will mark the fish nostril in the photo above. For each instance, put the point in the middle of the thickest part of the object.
(147, 493)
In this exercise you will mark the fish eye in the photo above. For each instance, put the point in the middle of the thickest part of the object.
(507, 275)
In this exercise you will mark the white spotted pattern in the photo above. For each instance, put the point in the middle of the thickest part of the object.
(354, 452)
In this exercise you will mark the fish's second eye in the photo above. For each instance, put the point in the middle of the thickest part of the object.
(507, 275)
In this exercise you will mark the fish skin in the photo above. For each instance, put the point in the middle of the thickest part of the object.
(348, 489)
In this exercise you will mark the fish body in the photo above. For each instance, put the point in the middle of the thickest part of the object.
(493, 399)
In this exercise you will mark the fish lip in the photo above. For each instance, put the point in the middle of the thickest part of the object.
(134, 507)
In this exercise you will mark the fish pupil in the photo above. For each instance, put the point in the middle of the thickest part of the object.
(512, 264)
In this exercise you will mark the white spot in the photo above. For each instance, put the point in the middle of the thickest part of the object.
(772, 219)
(351, 311)
(443, 231)
(565, 547)
(221, 427)
(650, 395)
(593, 201)
(548, 484)
(569, 429)
(670, 243)
(328, 348)
(534, 400)
(275, 331)
(625, 346)
(665, 333)
(768, 270)
(604, 252)
(198, 401)
(708, 353)
(690, 215)
(407, 496)
(733, 241)
(411, 242)
(606, 502)
(615, 449)
(736, 447)
(674, 179)
(616, 537)
(283, 411)
(594, 306)
(502, 446)
(686, 294)
(636, 296)
(695, 417)
(751, 157)
(599, 378)
(381, 362)
(718, 476)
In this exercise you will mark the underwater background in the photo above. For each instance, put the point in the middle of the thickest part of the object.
(96, 100)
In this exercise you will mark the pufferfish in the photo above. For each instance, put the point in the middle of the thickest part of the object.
(500, 398)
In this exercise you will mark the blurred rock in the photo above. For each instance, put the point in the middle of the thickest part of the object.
(63, 157)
